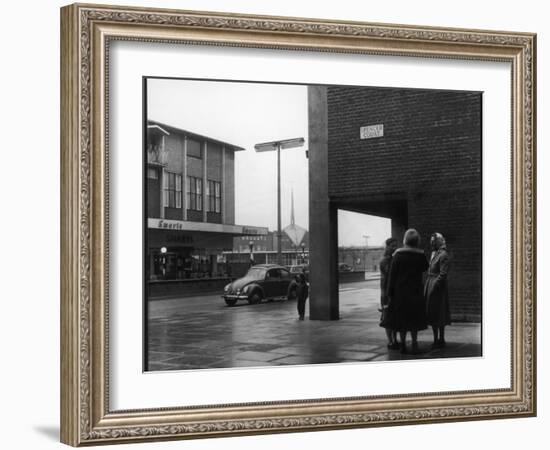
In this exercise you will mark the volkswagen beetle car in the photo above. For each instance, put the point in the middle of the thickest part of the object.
(261, 282)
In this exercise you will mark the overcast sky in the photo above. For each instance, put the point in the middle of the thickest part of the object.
(245, 114)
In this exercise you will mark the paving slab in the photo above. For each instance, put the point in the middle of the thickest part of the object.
(202, 332)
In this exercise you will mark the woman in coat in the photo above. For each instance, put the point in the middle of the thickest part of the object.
(436, 290)
(405, 288)
(385, 319)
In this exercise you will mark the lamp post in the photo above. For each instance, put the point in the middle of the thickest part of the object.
(303, 245)
(163, 261)
(278, 146)
(251, 247)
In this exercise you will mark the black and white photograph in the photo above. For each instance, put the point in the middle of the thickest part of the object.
(288, 221)
(292, 224)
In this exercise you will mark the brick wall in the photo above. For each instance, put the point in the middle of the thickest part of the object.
(429, 161)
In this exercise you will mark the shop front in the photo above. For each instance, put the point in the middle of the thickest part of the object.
(184, 258)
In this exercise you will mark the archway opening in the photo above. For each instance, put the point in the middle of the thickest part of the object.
(361, 239)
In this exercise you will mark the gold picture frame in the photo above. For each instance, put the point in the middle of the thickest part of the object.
(86, 31)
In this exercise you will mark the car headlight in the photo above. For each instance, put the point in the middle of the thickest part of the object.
(226, 288)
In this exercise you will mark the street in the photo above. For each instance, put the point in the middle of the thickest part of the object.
(202, 332)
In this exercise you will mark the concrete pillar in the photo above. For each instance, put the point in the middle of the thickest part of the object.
(222, 209)
(204, 182)
(184, 180)
(162, 175)
(323, 220)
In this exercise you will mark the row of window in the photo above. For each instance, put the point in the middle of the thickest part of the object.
(172, 193)
(258, 248)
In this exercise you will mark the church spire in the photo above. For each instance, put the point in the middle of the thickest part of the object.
(292, 222)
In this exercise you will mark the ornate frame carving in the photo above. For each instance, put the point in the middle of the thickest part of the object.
(86, 31)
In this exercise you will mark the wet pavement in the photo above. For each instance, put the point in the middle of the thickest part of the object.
(202, 332)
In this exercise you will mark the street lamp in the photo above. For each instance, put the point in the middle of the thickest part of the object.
(251, 247)
(278, 146)
(303, 253)
(163, 261)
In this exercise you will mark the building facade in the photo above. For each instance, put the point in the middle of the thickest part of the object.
(268, 242)
(410, 155)
(190, 200)
(262, 249)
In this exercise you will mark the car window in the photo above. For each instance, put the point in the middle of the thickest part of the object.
(285, 274)
(273, 274)
(256, 273)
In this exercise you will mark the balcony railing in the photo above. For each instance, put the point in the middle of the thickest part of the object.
(157, 155)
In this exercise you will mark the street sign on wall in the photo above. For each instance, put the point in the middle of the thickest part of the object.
(371, 131)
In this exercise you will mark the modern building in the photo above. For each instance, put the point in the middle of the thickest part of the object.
(190, 200)
(411, 155)
(293, 238)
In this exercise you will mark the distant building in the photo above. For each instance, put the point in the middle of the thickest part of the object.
(294, 239)
(361, 258)
(268, 242)
(262, 249)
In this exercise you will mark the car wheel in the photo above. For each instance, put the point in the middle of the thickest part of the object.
(255, 298)
(292, 294)
(230, 301)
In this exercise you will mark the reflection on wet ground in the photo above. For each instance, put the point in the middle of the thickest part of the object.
(202, 332)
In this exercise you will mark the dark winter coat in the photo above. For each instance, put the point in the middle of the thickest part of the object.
(407, 308)
(436, 289)
(385, 264)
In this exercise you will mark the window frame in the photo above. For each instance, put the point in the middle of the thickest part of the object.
(194, 193)
(172, 189)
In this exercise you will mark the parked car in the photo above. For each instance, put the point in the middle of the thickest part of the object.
(261, 282)
(343, 267)
(299, 268)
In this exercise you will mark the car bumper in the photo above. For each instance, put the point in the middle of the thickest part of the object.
(234, 297)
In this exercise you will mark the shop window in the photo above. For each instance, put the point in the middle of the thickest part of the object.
(172, 190)
(214, 196)
(194, 193)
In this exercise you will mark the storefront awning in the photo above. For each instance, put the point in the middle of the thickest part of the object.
(236, 230)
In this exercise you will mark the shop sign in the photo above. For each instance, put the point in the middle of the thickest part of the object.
(165, 224)
(249, 231)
